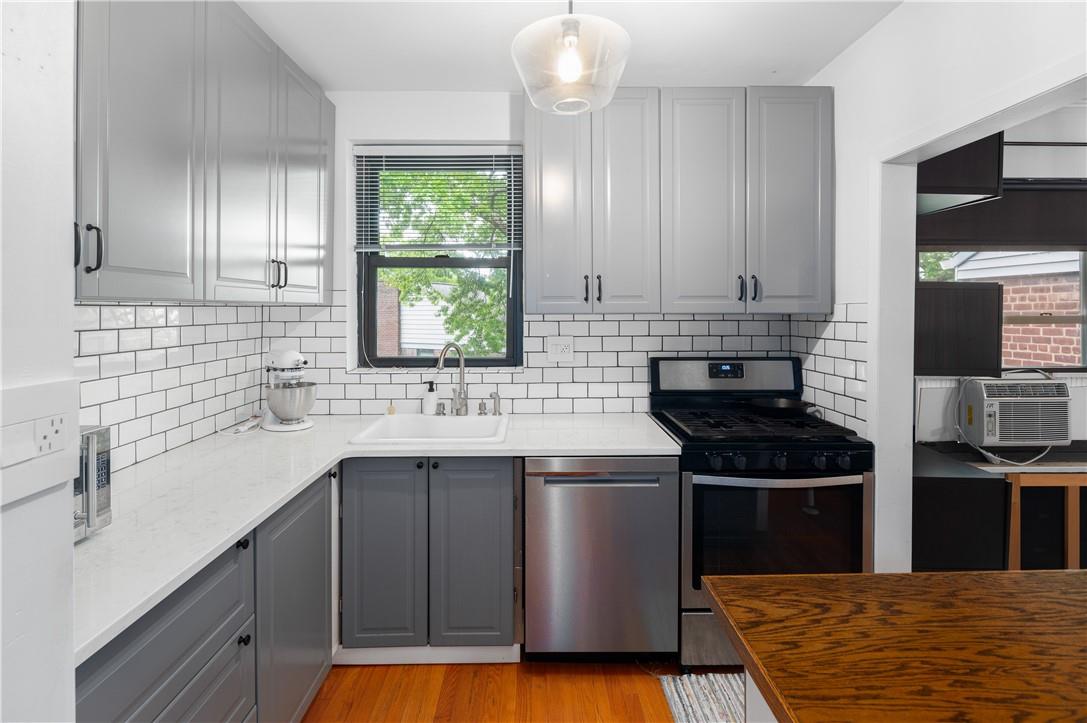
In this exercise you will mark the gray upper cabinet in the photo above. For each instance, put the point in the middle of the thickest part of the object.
(790, 218)
(204, 159)
(703, 234)
(141, 96)
(626, 202)
(592, 208)
(302, 160)
(471, 551)
(294, 604)
(699, 200)
(558, 213)
(384, 531)
(241, 156)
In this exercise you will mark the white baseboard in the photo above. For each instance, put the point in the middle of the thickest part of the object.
(425, 654)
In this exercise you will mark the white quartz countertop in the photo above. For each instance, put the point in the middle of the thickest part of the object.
(176, 512)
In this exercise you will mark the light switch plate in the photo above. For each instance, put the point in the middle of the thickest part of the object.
(560, 348)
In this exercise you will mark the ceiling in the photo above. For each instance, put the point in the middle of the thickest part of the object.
(457, 45)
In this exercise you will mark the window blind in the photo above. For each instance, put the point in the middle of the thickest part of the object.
(442, 201)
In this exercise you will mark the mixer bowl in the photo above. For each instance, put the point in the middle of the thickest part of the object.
(291, 401)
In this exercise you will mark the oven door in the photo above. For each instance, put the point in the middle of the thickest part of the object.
(754, 526)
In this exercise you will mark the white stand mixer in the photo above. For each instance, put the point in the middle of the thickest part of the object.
(289, 398)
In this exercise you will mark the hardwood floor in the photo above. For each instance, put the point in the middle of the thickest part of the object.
(535, 691)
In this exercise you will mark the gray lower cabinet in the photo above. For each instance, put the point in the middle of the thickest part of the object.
(225, 690)
(170, 650)
(294, 604)
(384, 530)
(471, 551)
(428, 552)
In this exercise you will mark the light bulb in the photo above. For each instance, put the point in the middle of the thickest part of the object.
(569, 65)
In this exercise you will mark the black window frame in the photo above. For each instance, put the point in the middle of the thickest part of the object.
(369, 261)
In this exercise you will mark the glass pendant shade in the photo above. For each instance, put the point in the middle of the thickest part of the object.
(571, 63)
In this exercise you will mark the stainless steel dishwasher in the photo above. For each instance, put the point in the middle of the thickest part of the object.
(601, 554)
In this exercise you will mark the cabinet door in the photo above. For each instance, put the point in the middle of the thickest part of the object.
(790, 218)
(141, 95)
(558, 213)
(703, 233)
(294, 604)
(384, 531)
(241, 156)
(148, 665)
(301, 172)
(626, 203)
(471, 551)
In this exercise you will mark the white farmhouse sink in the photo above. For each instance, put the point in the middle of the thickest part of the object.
(420, 429)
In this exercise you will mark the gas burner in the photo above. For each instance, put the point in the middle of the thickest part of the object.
(702, 425)
(704, 403)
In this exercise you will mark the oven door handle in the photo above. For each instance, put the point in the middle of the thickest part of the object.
(772, 484)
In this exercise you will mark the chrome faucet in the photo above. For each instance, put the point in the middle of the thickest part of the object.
(460, 393)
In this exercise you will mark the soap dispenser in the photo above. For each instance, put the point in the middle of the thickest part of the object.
(430, 399)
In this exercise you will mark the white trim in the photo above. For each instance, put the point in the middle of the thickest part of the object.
(424, 149)
(426, 654)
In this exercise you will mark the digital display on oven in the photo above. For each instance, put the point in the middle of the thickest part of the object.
(726, 370)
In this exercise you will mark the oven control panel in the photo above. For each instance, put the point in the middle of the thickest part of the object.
(726, 370)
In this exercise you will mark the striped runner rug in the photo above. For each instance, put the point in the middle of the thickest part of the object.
(709, 698)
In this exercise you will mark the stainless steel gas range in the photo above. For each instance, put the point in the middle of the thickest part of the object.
(766, 486)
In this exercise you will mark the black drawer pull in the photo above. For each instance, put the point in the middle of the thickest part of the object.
(419, 464)
(434, 465)
(242, 543)
(245, 639)
(586, 299)
(332, 474)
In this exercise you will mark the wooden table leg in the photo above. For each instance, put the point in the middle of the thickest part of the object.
(1071, 527)
(1014, 544)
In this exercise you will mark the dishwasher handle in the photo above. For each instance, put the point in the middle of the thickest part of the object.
(598, 480)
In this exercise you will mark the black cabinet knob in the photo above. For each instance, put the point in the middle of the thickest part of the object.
(333, 474)
(243, 543)
(434, 465)
(845, 461)
(245, 639)
(781, 462)
(819, 461)
(419, 464)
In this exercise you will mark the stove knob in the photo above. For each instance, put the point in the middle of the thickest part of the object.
(781, 462)
(739, 461)
(717, 462)
(845, 461)
(819, 461)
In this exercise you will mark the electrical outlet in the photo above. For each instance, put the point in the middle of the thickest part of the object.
(49, 434)
(560, 348)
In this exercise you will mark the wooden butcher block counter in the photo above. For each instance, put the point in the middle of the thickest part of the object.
(983, 646)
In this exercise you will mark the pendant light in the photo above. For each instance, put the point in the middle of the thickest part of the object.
(571, 63)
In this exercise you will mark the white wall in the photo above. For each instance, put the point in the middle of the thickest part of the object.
(37, 210)
(924, 72)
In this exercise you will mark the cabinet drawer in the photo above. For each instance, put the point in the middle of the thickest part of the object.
(147, 666)
(226, 688)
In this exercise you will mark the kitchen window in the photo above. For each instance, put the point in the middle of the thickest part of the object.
(438, 243)
(1043, 300)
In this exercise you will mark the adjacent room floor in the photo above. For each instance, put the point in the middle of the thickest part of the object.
(534, 691)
